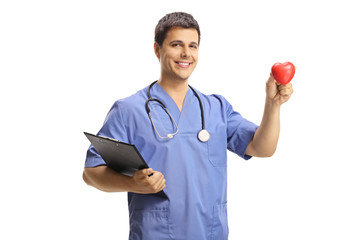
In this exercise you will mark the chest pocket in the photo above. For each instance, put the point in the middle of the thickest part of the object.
(217, 146)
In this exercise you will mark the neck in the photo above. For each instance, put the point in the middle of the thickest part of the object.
(177, 90)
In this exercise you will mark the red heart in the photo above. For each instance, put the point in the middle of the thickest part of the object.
(283, 72)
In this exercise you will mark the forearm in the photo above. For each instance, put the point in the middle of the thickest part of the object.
(266, 137)
(107, 180)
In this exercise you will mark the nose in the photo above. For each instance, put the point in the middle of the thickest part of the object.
(185, 52)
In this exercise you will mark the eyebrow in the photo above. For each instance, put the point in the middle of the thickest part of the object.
(179, 41)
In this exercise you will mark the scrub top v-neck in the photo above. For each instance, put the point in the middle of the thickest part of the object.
(195, 171)
(158, 92)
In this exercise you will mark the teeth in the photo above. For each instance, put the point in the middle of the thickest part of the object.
(184, 64)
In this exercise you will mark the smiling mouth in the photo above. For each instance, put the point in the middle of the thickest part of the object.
(183, 64)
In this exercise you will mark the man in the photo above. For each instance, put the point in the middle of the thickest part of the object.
(193, 163)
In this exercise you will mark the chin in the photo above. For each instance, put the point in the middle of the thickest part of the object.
(183, 76)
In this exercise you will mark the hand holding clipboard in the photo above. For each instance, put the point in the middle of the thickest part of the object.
(121, 157)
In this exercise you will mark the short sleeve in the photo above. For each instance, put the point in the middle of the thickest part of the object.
(240, 131)
(113, 127)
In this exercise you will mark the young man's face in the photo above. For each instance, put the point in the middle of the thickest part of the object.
(178, 54)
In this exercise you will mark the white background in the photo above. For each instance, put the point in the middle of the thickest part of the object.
(63, 64)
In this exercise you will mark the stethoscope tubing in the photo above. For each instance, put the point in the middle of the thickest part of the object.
(201, 133)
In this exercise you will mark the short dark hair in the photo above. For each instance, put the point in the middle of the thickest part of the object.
(175, 19)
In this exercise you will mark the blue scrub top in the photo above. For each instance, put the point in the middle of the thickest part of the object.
(195, 172)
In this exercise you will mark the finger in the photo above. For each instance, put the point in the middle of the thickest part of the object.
(150, 172)
(284, 98)
(286, 92)
(161, 185)
(143, 173)
(161, 180)
(271, 82)
(271, 78)
(287, 86)
(157, 182)
(156, 178)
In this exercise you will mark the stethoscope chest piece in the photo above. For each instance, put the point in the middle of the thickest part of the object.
(203, 135)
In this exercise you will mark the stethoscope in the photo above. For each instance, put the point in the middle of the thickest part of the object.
(203, 134)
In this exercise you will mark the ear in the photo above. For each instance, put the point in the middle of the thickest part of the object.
(157, 50)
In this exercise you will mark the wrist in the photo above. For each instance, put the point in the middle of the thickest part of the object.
(132, 184)
(271, 108)
(271, 103)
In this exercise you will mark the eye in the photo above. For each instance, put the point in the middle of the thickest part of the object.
(176, 45)
(194, 46)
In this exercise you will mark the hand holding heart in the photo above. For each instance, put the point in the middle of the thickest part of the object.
(278, 86)
(277, 93)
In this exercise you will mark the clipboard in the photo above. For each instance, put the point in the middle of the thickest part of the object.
(122, 157)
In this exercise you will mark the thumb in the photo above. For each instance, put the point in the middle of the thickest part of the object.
(143, 173)
(271, 79)
(271, 82)
(149, 171)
